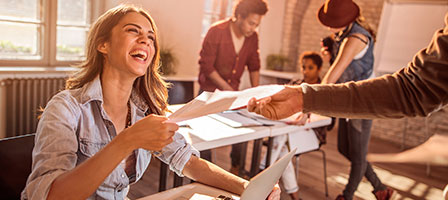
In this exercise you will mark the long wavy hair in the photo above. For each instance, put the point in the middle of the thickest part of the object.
(361, 20)
(151, 87)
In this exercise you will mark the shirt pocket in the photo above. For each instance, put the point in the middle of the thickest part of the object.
(89, 148)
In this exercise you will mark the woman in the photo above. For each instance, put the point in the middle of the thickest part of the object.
(98, 136)
(354, 61)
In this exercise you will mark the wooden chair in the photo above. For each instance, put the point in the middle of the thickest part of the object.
(15, 164)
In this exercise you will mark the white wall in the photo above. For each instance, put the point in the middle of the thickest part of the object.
(180, 24)
(402, 34)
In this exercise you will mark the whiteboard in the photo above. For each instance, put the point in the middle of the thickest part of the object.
(405, 28)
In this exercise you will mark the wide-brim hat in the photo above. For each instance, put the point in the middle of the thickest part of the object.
(338, 13)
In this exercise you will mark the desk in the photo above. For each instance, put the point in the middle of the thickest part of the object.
(205, 133)
(187, 191)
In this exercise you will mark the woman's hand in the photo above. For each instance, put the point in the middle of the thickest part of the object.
(301, 120)
(152, 132)
(275, 193)
(326, 55)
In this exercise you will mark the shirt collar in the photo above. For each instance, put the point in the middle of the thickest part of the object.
(92, 91)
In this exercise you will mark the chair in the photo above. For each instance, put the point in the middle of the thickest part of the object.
(324, 160)
(15, 162)
(321, 134)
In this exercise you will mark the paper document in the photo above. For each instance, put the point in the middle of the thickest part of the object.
(235, 120)
(314, 121)
(218, 101)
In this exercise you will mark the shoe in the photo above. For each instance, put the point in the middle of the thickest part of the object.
(340, 197)
(386, 194)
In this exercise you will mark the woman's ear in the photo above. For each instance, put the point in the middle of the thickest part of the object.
(103, 47)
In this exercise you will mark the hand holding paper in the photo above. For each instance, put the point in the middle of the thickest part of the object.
(218, 101)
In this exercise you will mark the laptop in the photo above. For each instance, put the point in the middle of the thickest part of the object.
(261, 185)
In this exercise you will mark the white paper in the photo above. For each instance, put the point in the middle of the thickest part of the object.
(304, 141)
(243, 97)
(218, 101)
(235, 120)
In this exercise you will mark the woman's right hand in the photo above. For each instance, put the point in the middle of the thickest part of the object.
(326, 55)
(152, 132)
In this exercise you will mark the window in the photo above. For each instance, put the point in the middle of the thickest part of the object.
(215, 10)
(43, 32)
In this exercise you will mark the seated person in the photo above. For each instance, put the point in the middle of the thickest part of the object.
(311, 66)
(98, 136)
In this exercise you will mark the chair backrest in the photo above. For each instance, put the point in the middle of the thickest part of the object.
(15, 164)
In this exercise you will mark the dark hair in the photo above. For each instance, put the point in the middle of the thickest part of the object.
(313, 56)
(246, 7)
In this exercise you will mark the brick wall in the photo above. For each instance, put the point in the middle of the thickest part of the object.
(410, 132)
(302, 32)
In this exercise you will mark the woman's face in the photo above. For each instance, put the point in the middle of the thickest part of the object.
(131, 46)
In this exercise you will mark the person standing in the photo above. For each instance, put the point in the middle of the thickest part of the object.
(354, 41)
(228, 47)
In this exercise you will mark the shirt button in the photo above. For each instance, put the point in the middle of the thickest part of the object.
(234, 71)
(122, 176)
(228, 81)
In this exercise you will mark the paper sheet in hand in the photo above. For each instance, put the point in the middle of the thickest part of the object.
(243, 97)
(218, 101)
(314, 121)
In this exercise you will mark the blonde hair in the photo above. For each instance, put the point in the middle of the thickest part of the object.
(151, 87)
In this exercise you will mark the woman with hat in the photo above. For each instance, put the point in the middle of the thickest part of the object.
(354, 41)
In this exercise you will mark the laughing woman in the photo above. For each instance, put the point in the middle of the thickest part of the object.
(97, 137)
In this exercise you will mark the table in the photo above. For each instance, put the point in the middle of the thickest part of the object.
(205, 133)
(208, 133)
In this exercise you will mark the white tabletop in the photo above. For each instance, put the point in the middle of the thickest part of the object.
(207, 133)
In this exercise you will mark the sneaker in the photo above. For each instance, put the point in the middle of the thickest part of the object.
(340, 197)
(386, 194)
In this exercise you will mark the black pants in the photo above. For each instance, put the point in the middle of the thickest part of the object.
(353, 141)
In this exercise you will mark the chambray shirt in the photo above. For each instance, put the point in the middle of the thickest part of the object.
(74, 127)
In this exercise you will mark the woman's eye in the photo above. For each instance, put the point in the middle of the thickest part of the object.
(133, 30)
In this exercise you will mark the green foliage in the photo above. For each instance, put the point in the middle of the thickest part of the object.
(68, 50)
(9, 47)
(276, 62)
(168, 62)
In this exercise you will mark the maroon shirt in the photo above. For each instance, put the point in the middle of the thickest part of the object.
(218, 54)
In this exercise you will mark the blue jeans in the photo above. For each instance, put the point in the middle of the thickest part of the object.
(353, 141)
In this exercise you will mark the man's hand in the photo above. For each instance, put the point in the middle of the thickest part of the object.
(280, 105)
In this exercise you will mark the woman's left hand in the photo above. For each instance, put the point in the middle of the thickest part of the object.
(300, 120)
(275, 193)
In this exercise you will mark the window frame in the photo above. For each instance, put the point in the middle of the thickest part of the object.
(48, 39)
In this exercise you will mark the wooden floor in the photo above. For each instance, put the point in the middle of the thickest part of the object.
(410, 180)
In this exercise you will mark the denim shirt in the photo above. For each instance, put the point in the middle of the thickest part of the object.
(74, 127)
(358, 69)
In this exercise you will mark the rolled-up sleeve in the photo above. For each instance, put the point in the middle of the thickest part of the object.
(55, 147)
(177, 154)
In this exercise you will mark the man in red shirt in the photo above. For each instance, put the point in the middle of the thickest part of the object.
(229, 46)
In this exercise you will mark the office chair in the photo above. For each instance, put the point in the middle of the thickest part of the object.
(15, 164)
